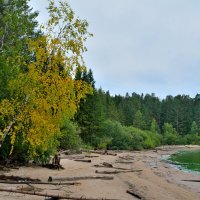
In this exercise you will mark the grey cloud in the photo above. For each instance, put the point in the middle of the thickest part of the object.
(142, 46)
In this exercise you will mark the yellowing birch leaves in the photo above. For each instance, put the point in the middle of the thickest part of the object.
(47, 91)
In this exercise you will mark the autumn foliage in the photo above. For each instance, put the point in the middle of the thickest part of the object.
(44, 91)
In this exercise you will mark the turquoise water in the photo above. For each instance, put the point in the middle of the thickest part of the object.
(188, 160)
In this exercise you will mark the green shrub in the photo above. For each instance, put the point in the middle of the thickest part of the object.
(114, 136)
(143, 139)
(192, 139)
(70, 138)
(104, 142)
(170, 136)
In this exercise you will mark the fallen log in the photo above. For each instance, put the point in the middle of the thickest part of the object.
(104, 164)
(50, 195)
(164, 149)
(30, 188)
(104, 153)
(80, 160)
(107, 165)
(18, 178)
(126, 158)
(72, 157)
(88, 156)
(126, 162)
(5, 169)
(8, 167)
(38, 183)
(134, 194)
(99, 166)
(116, 172)
(70, 152)
(112, 167)
(64, 152)
(192, 180)
(121, 168)
(50, 179)
(53, 166)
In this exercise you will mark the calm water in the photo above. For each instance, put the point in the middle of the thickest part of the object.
(188, 160)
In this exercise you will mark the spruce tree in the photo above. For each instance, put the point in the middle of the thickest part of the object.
(17, 25)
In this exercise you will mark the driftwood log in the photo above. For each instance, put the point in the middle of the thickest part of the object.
(103, 153)
(124, 162)
(18, 178)
(89, 156)
(116, 172)
(80, 160)
(72, 157)
(39, 183)
(126, 157)
(104, 164)
(134, 194)
(108, 165)
(57, 197)
(192, 180)
(51, 179)
(53, 166)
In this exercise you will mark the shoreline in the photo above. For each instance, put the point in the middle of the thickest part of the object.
(149, 177)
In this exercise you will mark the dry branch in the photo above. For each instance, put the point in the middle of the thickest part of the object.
(134, 194)
(50, 195)
(79, 178)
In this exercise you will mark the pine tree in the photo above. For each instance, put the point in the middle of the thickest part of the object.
(88, 115)
(17, 25)
(194, 128)
(154, 126)
(139, 121)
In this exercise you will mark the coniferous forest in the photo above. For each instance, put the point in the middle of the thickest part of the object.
(137, 121)
(48, 98)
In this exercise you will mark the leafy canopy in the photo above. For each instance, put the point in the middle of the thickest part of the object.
(47, 92)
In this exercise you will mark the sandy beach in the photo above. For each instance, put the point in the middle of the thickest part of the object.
(149, 177)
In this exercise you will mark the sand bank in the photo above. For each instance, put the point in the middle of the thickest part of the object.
(157, 179)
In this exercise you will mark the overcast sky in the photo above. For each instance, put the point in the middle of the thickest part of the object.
(142, 46)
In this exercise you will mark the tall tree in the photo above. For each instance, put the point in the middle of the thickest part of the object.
(86, 115)
(194, 128)
(139, 121)
(154, 126)
(17, 25)
(46, 92)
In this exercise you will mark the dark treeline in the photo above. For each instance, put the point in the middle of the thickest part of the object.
(173, 120)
